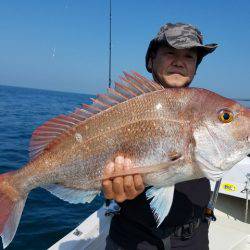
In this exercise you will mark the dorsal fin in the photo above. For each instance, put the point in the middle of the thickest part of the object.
(52, 131)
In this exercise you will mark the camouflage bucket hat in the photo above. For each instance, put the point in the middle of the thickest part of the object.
(180, 36)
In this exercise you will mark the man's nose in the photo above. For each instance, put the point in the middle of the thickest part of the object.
(177, 61)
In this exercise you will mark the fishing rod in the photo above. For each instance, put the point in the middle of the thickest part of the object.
(110, 80)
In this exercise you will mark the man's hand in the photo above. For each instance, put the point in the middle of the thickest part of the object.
(121, 188)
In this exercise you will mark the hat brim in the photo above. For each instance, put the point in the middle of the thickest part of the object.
(206, 49)
(203, 49)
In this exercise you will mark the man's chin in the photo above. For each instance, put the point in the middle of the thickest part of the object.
(176, 80)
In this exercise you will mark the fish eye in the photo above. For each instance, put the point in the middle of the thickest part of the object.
(226, 116)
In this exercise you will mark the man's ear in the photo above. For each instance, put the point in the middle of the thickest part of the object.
(150, 63)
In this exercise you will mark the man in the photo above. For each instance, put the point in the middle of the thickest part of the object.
(172, 57)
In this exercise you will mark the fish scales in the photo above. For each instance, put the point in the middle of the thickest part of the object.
(97, 139)
(99, 144)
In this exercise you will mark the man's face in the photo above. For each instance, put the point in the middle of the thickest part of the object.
(174, 67)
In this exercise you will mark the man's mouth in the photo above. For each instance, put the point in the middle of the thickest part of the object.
(175, 73)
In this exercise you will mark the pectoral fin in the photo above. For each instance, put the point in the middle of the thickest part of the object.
(161, 202)
(176, 160)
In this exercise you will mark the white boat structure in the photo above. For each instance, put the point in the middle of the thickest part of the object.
(231, 231)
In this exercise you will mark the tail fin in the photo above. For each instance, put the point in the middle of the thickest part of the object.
(11, 207)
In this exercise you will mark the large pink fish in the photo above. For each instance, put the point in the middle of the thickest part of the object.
(172, 135)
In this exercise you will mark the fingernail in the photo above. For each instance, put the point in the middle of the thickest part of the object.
(110, 167)
(127, 163)
(119, 159)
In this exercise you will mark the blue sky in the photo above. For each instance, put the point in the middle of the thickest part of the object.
(63, 44)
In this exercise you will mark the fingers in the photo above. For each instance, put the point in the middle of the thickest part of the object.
(123, 187)
(128, 181)
(138, 182)
(118, 188)
(107, 184)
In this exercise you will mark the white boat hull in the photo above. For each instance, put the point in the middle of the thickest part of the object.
(90, 234)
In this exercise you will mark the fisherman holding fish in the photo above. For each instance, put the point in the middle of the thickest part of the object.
(172, 57)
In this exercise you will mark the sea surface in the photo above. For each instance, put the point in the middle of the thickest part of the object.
(45, 218)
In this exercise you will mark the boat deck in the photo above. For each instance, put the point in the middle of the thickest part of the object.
(229, 232)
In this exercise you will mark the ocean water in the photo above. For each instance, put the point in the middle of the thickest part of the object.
(45, 218)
